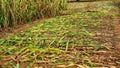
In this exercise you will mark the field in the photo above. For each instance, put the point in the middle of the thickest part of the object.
(86, 35)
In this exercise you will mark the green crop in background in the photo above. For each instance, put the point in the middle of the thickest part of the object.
(14, 12)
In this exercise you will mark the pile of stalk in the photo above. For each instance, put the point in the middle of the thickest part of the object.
(15, 12)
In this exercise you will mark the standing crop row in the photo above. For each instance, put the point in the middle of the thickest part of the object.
(15, 12)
